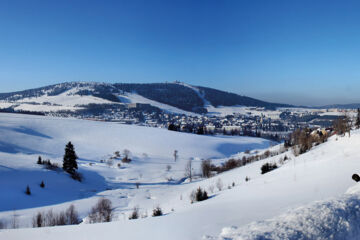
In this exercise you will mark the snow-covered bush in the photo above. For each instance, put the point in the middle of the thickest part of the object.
(219, 184)
(101, 212)
(134, 214)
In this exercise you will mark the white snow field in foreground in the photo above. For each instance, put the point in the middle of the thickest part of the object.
(332, 219)
(285, 196)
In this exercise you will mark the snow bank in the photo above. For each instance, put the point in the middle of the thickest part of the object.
(332, 219)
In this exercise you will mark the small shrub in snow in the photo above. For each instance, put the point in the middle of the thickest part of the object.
(356, 177)
(247, 179)
(119, 165)
(126, 158)
(233, 184)
(168, 168)
(28, 191)
(134, 214)
(201, 195)
(42, 184)
(267, 167)
(137, 185)
(157, 212)
(211, 188)
(48, 164)
(219, 184)
(101, 212)
(117, 154)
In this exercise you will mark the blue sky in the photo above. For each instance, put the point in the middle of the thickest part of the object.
(299, 52)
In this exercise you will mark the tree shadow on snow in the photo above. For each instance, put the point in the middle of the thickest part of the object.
(59, 188)
(14, 149)
(27, 131)
(233, 148)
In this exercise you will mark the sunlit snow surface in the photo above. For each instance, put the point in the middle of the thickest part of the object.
(281, 202)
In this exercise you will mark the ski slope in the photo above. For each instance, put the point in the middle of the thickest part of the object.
(308, 190)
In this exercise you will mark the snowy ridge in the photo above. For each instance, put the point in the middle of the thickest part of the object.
(332, 219)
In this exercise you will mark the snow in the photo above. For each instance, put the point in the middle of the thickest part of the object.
(309, 196)
(23, 138)
(331, 219)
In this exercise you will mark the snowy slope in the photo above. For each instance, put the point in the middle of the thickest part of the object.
(175, 97)
(24, 138)
(323, 174)
(136, 98)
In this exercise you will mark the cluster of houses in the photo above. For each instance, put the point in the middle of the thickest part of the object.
(260, 125)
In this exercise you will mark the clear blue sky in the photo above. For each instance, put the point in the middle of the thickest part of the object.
(299, 52)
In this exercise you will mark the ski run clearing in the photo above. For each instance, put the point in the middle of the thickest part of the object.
(311, 196)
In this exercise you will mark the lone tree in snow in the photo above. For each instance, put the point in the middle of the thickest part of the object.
(70, 157)
(28, 192)
(39, 161)
(176, 155)
(188, 170)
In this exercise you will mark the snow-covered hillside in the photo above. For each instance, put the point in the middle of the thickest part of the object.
(24, 138)
(174, 97)
(323, 174)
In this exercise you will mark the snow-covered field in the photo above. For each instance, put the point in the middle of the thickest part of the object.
(277, 205)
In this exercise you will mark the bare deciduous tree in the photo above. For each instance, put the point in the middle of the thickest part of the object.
(188, 170)
(176, 155)
(101, 212)
(206, 168)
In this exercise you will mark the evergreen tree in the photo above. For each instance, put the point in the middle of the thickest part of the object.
(39, 160)
(28, 192)
(70, 157)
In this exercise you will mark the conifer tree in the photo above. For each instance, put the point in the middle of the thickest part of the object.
(70, 157)
(39, 160)
(28, 192)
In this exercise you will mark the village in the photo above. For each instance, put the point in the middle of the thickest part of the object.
(257, 122)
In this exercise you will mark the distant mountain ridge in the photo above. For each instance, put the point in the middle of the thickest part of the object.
(342, 106)
(179, 95)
